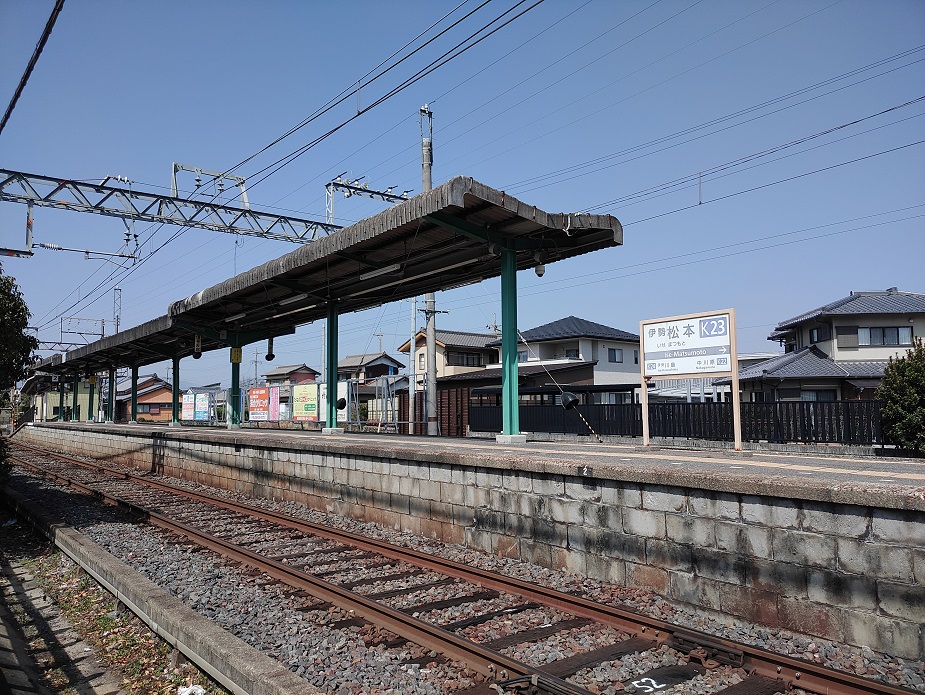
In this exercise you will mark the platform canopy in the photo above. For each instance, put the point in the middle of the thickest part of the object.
(444, 238)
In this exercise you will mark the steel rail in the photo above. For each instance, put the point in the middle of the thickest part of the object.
(485, 661)
(710, 649)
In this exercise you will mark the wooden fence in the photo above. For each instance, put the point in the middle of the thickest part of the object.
(838, 422)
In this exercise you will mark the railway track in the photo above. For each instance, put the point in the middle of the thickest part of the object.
(399, 596)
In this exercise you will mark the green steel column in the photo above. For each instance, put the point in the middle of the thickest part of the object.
(175, 393)
(234, 395)
(331, 366)
(134, 417)
(61, 398)
(90, 403)
(74, 397)
(510, 403)
(111, 405)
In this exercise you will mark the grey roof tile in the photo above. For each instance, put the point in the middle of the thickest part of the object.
(574, 327)
(286, 370)
(808, 363)
(891, 301)
(352, 361)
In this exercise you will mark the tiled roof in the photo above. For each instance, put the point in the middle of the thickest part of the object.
(456, 339)
(289, 369)
(354, 361)
(809, 363)
(891, 301)
(465, 339)
(574, 327)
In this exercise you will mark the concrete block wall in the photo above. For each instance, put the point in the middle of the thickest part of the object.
(852, 573)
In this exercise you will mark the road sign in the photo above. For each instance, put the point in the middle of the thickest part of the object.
(695, 345)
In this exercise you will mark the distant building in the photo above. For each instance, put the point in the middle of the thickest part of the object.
(568, 353)
(291, 375)
(702, 390)
(609, 356)
(837, 351)
(458, 352)
(367, 367)
(155, 399)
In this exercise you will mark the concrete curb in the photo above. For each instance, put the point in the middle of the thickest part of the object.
(229, 660)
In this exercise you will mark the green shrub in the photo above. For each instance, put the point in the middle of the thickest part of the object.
(902, 393)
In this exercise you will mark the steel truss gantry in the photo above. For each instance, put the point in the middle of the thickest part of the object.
(127, 203)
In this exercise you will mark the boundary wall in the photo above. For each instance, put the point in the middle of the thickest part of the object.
(842, 562)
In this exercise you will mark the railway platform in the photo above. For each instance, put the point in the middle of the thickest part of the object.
(826, 544)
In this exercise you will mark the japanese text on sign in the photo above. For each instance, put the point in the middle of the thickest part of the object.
(689, 345)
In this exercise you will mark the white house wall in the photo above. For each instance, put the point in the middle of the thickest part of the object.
(863, 352)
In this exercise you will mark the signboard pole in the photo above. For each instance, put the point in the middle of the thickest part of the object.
(736, 398)
(692, 346)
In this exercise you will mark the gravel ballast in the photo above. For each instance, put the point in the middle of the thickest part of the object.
(340, 660)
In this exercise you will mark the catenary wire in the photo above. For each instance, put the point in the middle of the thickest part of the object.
(39, 47)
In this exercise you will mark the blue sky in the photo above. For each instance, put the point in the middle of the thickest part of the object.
(670, 115)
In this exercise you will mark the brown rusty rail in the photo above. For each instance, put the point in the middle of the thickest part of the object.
(763, 665)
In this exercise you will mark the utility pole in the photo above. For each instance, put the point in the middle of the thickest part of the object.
(427, 163)
(412, 354)
(256, 362)
(380, 336)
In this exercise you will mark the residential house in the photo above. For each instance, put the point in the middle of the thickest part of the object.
(609, 356)
(291, 375)
(837, 351)
(702, 390)
(287, 376)
(155, 399)
(458, 352)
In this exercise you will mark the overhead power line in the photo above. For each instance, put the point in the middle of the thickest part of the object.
(459, 49)
(39, 47)
(355, 87)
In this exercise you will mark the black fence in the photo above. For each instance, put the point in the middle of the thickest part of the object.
(836, 422)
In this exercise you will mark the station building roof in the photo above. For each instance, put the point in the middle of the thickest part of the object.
(443, 238)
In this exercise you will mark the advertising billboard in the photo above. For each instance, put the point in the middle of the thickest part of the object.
(305, 403)
(188, 408)
(201, 406)
(258, 402)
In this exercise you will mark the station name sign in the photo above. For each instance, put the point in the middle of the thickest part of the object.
(693, 345)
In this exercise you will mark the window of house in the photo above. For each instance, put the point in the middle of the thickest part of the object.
(144, 408)
(571, 354)
(422, 362)
(614, 354)
(522, 356)
(819, 333)
(758, 397)
(886, 335)
(635, 356)
(846, 336)
(818, 395)
(465, 359)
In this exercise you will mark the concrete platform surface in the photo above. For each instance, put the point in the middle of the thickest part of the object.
(885, 481)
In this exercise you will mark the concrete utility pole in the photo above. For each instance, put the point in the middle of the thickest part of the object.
(427, 163)
(412, 354)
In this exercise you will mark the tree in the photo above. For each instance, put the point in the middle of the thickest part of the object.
(902, 393)
(16, 346)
